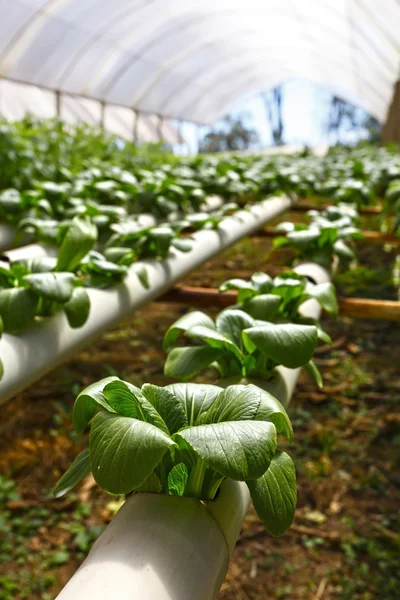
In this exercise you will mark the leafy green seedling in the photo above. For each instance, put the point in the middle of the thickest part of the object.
(279, 300)
(235, 344)
(184, 440)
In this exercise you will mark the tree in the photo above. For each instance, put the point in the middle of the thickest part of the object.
(231, 134)
(344, 117)
(273, 107)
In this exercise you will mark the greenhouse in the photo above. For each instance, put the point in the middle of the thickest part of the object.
(199, 300)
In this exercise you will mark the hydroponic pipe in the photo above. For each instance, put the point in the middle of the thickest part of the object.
(163, 548)
(39, 349)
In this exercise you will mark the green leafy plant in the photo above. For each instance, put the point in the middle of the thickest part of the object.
(280, 299)
(185, 439)
(131, 242)
(391, 208)
(34, 288)
(326, 237)
(235, 344)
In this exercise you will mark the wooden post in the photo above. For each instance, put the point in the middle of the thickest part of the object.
(58, 103)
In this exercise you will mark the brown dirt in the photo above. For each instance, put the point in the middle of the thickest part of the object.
(345, 538)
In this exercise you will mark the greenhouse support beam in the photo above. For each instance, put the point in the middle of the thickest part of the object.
(161, 547)
(46, 344)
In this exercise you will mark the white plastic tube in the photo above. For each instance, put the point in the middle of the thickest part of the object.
(163, 548)
(39, 349)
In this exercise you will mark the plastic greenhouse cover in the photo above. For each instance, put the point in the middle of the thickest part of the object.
(192, 59)
(18, 100)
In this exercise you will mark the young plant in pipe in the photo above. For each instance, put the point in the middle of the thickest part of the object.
(184, 440)
(279, 300)
(238, 346)
(326, 240)
(39, 287)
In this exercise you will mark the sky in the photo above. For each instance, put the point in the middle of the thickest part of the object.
(305, 112)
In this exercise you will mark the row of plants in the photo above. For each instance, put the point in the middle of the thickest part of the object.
(37, 287)
(185, 438)
(52, 172)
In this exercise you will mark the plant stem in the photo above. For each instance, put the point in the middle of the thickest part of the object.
(195, 480)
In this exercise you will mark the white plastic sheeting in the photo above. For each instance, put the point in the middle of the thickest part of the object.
(191, 60)
(18, 99)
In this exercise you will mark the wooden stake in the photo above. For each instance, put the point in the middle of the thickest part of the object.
(356, 308)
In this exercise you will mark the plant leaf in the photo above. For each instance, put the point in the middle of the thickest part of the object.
(314, 373)
(325, 293)
(274, 494)
(264, 307)
(177, 479)
(230, 323)
(77, 308)
(185, 323)
(17, 308)
(240, 450)
(57, 287)
(287, 344)
(78, 240)
(74, 474)
(124, 452)
(195, 398)
(187, 361)
(247, 402)
(167, 405)
(127, 400)
(88, 401)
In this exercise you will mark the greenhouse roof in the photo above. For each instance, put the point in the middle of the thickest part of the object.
(192, 59)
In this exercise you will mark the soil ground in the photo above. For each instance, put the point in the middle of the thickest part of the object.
(345, 540)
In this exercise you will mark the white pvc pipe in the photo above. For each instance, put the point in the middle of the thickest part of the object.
(39, 349)
(163, 548)
(28, 251)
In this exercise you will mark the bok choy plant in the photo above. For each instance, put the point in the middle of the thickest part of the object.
(237, 345)
(326, 237)
(131, 242)
(280, 299)
(41, 286)
(184, 440)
